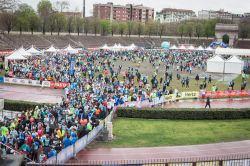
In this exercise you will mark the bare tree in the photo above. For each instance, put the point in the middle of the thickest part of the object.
(7, 19)
(8, 4)
(61, 5)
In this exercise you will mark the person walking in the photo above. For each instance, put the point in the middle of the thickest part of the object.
(208, 103)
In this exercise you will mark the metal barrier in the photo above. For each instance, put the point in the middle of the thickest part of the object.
(71, 151)
(232, 160)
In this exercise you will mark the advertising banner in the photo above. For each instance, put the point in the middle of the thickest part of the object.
(228, 93)
(72, 66)
(1, 80)
(189, 95)
(46, 84)
(22, 81)
(59, 85)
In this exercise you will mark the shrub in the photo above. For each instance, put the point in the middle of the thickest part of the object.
(184, 114)
(20, 105)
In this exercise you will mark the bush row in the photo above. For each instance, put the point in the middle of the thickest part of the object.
(20, 105)
(184, 114)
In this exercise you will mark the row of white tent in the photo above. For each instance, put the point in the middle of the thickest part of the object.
(22, 54)
(118, 47)
(182, 47)
(217, 64)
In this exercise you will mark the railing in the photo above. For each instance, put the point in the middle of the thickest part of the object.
(71, 151)
(9, 114)
(232, 160)
(8, 147)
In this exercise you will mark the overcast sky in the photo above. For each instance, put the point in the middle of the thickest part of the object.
(235, 6)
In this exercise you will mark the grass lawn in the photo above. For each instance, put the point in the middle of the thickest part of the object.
(150, 133)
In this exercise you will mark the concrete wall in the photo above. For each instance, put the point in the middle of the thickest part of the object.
(232, 36)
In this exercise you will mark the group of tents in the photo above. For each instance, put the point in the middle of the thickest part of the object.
(118, 47)
(234, 65)
(22, 54)
(182, 47)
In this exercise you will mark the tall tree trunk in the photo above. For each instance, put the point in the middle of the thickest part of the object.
(20, 29)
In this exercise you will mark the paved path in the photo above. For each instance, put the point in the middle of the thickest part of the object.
(220, 103)
(205, 152)
(27, 93)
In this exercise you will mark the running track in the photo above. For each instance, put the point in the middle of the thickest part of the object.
(218, 103)
(32, 94)
(191, 153)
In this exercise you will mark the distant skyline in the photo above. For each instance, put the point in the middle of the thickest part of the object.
(237, 7)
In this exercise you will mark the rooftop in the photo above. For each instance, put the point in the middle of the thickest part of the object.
(176, 10)
(226, 27)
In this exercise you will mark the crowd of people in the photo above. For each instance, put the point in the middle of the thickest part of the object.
(95, 89)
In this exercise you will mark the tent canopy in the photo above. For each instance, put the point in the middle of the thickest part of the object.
(191, 48)
(173, 47)
(232, 51)
(209, 49)
(234, 65)
(216, 58)
(32, 50)
(215, 64)
(234, 59)
(182, 47)
(200, 48)
(17, 55)
(105, 47)
(51, 49)
(70, 49)
(131, 47)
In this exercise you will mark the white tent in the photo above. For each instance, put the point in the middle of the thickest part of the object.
(131, 47)
(51, 49)
(215, 64)
(104, 47)
(115, 47)
(191, 48)
(232, 51)
(200, 48)
(209, 49)
(33, 51)
(182, 47)
(70, 50)
(234, 65)
(17, 55)
(173, 47)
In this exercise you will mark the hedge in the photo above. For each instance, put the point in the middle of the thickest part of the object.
(184, 114)
(13, 105)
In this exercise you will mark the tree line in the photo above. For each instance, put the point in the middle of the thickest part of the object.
(49, 19)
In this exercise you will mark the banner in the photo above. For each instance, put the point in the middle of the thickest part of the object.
(228, 93)
(6, 52)
(1, 80)
(189, 95)
(46, 84)
(22, 81)
(72, 66)
(59, 85)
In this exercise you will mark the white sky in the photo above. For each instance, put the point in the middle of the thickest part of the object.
(235, 6)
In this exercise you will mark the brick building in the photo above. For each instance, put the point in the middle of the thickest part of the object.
(128, 12)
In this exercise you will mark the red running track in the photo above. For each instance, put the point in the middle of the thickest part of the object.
(32, 94)
(191, 153)
(216, 103)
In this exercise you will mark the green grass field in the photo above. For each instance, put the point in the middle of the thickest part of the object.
(151, 133)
